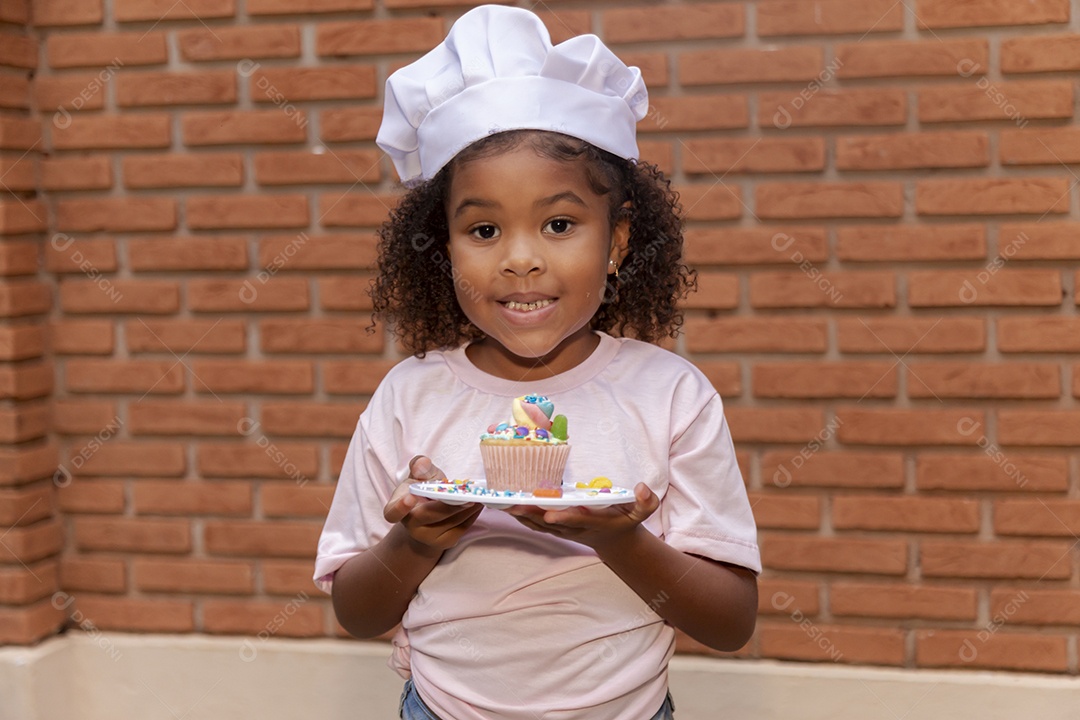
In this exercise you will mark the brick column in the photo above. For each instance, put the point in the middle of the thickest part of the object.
(30, 533)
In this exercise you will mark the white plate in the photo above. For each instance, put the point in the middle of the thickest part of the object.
(476, 491)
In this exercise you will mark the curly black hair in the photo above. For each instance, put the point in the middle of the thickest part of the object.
(414, 290)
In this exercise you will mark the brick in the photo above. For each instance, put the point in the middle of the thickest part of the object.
(739, 65)
(296, 618)
(773, 425)
(691, 22)
(24, 585)
(726, 377)
(21, 217)
(79, 91)
(123, 214)
(303, 7)
(1034, 333)
(212, 212)
(759, 155)
(194, 576)
(67, 12)
(1040, 146)
(715, 291)
(378, 37)
(16, 12)
(827, 17)
(979, 13)
(345, 293)
(121, 457)
(276, 294)
(243, 127)
(187, 498)
(813, 287)
(905, 514)
(30, 624)
(753, 246)
(912, 151)
(19, 51)
(305, 168)
(117, 376)
(911, 335)
(18, 258)
(239, 376)
(1034, 606)
(810, 467)
(349, 124)
(19, 342)
(696, 112)
(325, 252)
(283, 539)
(824, 380)
(1049, 517)
(266, 458)
(1039, 427)
(982, 99)
(132, 535)
(27, 462)
(69, 255)
(119, 296)
(291, 501)
(203, 252)
(172, 88)
(981, 649)
(992, 470)
(903, 58)
(91, 172)
(353, 377)
(239, 43)
(657, 152)
(181, 337)
(1040, 53)
(832, 108)
(1035, 559)
(859, 645)
(31, 543)
(336, 82)
(778, 511)
(114, 132)
(100, 49)
(285, 577)
(761, 334)
(354, 209)
(309, 419)
(992, 196)
(158, 10)
(788, 200)
(907, 427)
(76, 416)
(906, 243)
(26, 505)
(178, 171)
(783, 596)
(85, 496)
(25, 421)
(18, 173)
(190, 417)
(843, 555)
(15, 93)
(984, 288)
(897, 600)
(82, 337)
(93, 574)
(710, 201)
(976, 380)
(26, 381)
(137, 614)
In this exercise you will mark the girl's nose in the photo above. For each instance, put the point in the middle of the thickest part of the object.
(522, 255)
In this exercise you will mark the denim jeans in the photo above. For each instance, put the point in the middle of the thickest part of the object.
(413, 708)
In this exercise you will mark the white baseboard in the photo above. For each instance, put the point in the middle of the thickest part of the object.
(197, 677)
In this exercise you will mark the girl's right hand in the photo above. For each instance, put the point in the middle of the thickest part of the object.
(433, 525)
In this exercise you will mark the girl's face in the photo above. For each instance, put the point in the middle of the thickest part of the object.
(530, 243)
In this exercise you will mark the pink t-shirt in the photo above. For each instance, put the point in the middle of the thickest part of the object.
(514, 623)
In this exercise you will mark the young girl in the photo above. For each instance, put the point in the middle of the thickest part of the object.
(530, 249)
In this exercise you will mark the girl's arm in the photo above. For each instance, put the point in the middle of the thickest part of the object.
(714, 603)
(372, 590)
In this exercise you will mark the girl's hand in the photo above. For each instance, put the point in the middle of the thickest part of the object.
(596, 527)
(432, 526)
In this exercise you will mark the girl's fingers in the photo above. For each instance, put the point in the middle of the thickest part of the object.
(422, 469)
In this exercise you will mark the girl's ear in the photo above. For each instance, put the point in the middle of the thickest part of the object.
(620, 235)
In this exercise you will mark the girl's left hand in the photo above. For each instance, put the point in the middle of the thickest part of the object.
(595, 527)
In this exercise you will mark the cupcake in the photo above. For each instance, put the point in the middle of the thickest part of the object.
(530, 451)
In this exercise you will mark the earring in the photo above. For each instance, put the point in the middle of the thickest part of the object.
(614, 265)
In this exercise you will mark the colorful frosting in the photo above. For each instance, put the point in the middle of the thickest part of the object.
(531, 421)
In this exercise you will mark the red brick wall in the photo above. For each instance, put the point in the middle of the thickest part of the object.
(882, 205)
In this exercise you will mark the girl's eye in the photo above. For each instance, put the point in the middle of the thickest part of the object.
(560, 226)
(485, 232)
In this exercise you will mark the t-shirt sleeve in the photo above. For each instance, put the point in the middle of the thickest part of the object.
(706, 510)
(355, 522)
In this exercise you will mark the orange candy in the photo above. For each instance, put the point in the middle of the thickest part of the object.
(548, 492)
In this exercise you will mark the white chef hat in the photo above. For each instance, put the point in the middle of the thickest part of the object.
(497, 70)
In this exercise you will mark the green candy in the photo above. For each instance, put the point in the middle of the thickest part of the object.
(558, 427)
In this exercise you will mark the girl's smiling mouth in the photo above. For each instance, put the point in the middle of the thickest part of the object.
(527, 306)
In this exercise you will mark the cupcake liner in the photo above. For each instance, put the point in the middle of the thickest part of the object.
(523, 468)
